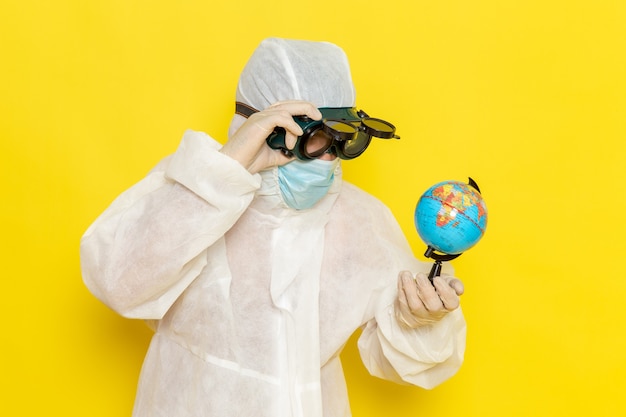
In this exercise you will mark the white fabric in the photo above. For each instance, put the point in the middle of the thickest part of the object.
(319, 72)
(254, 301)
(190, 247)
(285, 69)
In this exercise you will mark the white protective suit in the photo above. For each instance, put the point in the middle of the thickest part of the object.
(253, 301)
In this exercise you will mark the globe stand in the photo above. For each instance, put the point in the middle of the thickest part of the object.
(435, 271)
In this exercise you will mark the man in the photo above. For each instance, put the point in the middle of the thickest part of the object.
(257, 265)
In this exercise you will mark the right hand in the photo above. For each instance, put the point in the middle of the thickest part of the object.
(247, 145)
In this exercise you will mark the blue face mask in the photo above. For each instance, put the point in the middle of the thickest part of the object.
(304, 183)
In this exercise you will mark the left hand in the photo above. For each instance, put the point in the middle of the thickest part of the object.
(419, 303)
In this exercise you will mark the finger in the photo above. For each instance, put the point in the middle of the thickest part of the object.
(269, 120)
(411, 292)
(455, 283)
(403, 313)
(447, 294)
(290, 140)
(282, 114)
(402, 301)
(298, 108)
(427, 293)
(458, 286)
(424, 304)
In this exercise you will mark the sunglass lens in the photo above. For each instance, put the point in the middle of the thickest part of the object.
(379, 128)
(317, 144)
(355, 147)
(339, 130)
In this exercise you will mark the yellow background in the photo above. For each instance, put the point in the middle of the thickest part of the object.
(527, 97)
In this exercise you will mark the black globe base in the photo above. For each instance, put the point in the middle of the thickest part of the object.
(435, 271)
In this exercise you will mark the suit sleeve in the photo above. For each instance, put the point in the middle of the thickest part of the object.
(425, 357)
(151, 242)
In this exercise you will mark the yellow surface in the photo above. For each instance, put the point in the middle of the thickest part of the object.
(527, 97)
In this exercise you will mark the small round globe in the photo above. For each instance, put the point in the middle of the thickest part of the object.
(451, 217)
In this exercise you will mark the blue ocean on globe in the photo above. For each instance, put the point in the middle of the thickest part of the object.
(451, 217)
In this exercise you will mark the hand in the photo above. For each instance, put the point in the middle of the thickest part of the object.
(247, 145)
(419, 303)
